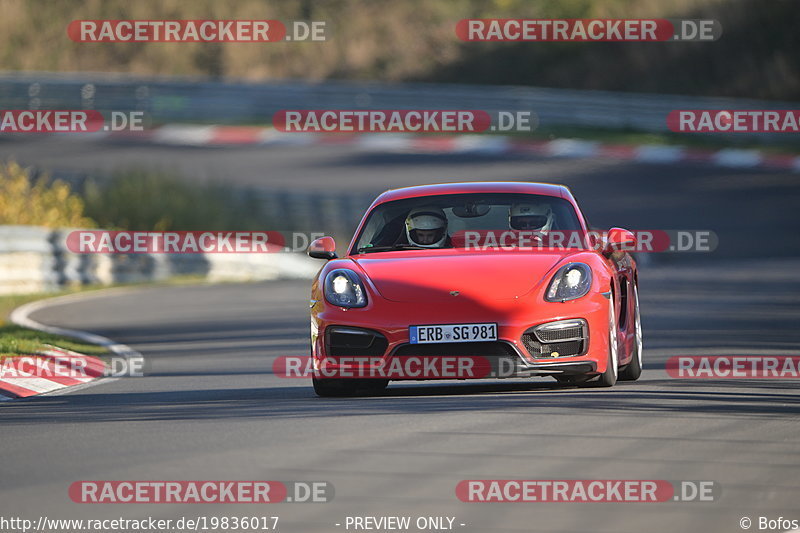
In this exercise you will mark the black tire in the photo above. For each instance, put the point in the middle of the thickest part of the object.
(634, 369)
(339, 388)
(333, 388)
(374, 386)
(609, 377)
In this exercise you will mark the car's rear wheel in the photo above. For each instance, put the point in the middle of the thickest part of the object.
(634, 369)
(337, 388)
(609, 377)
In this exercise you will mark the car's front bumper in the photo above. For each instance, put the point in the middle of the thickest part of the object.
(515, 318)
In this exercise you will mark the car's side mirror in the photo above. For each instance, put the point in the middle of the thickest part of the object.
(323, 248)
(620, 240)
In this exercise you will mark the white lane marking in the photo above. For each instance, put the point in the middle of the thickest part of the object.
(658, 154)
(21, 317)
(183, 134)
(390, 142)
(572, 148)
(481, 144)
(730, 157)
(37, 385)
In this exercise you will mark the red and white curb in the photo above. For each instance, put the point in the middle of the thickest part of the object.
(193, 135)
(24, 387)
(18, 381)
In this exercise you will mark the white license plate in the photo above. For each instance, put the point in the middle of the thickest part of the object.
(452, 333)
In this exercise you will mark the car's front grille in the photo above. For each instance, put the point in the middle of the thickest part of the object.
(502, 359)
(557, 339)
(344, 341)
(560, 334)
(455, 349)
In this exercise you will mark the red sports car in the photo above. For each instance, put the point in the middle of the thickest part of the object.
(475, 280)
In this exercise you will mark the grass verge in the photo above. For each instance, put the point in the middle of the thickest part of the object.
(16, 341)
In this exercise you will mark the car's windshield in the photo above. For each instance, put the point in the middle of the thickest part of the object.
(442, 221)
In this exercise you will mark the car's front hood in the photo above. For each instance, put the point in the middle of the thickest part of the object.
(418, 277)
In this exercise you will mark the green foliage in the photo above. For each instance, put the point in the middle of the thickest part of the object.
(151, 201)
(39, 203)
(15, 340)
(414, 40)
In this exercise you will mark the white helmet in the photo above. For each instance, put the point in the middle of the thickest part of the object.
(534, 217)
(426, 227)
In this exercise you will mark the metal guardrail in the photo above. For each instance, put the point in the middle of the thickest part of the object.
(199, 100)
(35, 259)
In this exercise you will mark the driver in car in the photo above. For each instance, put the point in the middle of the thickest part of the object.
(427, 227)
(532, 220)
(531, 217)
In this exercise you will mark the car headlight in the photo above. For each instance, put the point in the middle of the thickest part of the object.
(343, 288)
(572, 281)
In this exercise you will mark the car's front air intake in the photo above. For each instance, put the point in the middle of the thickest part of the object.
(563, 338)
(342, 341)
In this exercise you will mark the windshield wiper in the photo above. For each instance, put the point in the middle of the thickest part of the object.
(369, 248)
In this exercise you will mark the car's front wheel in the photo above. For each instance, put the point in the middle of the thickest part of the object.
(609, 377)
(331, 387)
(634, 369)
(337, 388)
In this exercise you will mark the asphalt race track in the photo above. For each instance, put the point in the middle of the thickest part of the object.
(210, 407)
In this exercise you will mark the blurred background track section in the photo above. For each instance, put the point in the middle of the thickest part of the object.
(201, 100)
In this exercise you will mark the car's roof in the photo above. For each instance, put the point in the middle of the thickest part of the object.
(518, 187)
